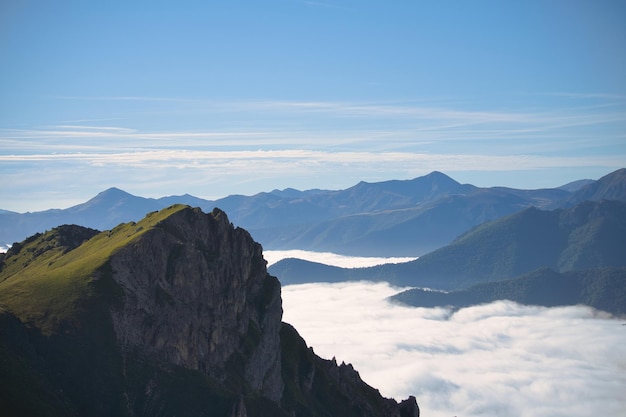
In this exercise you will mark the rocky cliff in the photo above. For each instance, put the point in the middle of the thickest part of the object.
(196, 294)
(175, 315)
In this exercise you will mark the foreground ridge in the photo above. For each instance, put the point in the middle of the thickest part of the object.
(174, 315)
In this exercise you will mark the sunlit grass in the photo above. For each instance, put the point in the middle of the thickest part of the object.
(48, 288)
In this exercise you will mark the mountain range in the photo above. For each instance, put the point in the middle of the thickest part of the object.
(391, 218)
(589, 236)
(465, 235)
(172, 312)
(174, 315)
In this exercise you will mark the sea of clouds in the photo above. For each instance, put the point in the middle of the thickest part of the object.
(498, 359)
(328, 258)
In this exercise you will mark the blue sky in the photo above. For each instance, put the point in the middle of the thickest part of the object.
(224, 97)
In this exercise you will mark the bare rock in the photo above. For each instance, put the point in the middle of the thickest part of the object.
(197, 295)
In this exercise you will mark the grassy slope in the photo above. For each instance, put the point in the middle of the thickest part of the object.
(58, 353)
(57, 347)
(47, 289)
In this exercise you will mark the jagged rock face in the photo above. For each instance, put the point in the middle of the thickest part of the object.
(322, 385)
(196, 294)
(177, 316)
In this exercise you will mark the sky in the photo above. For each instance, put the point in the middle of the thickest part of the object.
(498, 359)
(239, 97)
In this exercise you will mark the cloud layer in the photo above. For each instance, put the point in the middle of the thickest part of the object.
(496, 359)
(328, 258)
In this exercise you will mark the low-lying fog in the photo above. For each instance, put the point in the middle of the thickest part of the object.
(328, 258)
(499, 359)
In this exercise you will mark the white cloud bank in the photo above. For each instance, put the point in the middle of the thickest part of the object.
(500, 359)
(328, 258)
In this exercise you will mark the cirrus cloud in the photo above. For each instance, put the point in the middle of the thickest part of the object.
(248, 146)
(217, 173)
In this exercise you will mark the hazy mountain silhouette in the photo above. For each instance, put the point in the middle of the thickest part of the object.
(589, 235)
(575, 185)
(390, 218)
(410, 231)
(609, 187)
(601, 288)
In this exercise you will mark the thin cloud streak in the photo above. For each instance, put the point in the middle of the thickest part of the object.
(346, 109)
(128, 98)
(408, 138)
(408, 112)
(242, 146)
(158, 159)
(584, 96)
(323, 5)
(324, 124)
(104, 129)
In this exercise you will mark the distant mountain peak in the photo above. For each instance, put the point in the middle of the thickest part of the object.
(108, 196)
(107, 202)
(437, 174)
(113, 192)
(440, 177)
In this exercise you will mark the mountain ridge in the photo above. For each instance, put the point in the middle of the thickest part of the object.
(610, 187)
(600, 288)
(589, 235)
(172, 315)
(429, 212)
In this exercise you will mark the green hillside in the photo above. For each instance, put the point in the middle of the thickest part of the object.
(43, 283)
(174, 315)
(589, 235)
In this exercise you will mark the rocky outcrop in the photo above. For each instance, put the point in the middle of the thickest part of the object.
(176, 316)
(315, 385)
(197, 295)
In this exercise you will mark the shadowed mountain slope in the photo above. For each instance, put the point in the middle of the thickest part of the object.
(589, 235)
(601, 288)
(610, 187)
(411, 231)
